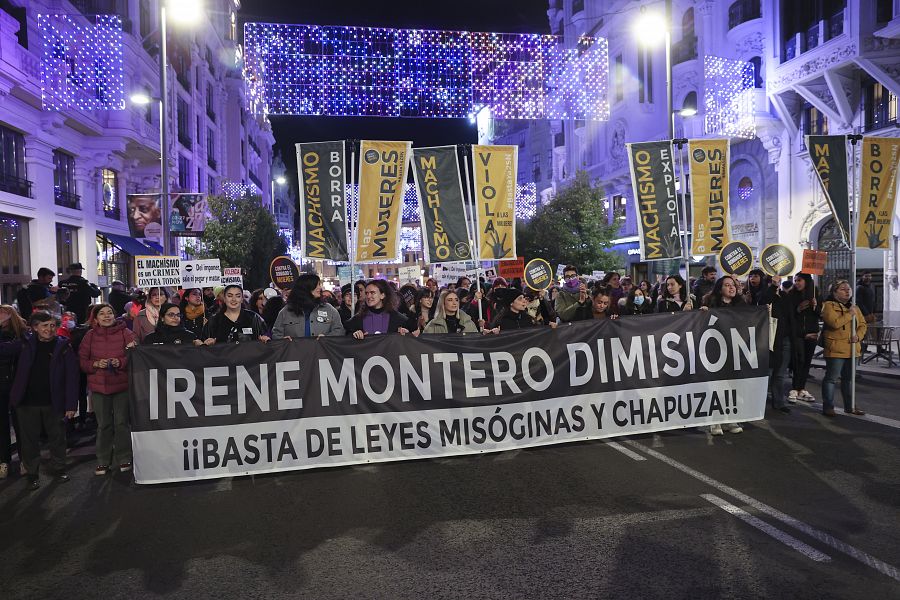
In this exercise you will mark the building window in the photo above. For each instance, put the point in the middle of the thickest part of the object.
(112, 262)
(184, 173)
(535, 167)
(211, 185)
(66, 246)
(745, 188)
(577, 6)
(12, 163)
(199, 179)
(879, 105)
(243, 153)
(884, 11)
(743, 11)
(111, 194)
(645, 75)
(620, 78)
(184, 123)
(687, 23)
(210, 109)
(146, 17)
(14, 268)
(814, 121)
(756, 61)
(64, 180)
(804, 21)
(211, 148)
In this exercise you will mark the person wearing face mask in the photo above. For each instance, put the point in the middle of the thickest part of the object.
(636, 303)
(104, 357)
(233, 323)
(572, 295)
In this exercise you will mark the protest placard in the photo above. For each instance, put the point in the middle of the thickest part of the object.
(511, 269)
(232, 276)
(200, 273)
(157, 271)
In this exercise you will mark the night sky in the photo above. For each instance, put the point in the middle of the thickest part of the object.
(505, 16)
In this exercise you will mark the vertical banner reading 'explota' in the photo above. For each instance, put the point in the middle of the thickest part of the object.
(653, 181)
(322, 187)
(828, 154)
(495, 198)
(877, 192)
(382, 177)
(710, 229)
(444, 230)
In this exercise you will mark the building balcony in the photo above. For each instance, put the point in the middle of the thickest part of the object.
(819, 33)
(684, 50)
(15, 185)
(67, 199)
(742, 11)
(112, 213)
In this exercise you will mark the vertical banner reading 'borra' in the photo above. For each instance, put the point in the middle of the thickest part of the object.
(495, 199)
(828, 154)
(382, 177)
(322, 187)
(877, 192)
(710, 229)
(444, 230)
(653, 181)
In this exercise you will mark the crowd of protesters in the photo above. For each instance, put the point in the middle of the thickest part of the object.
(57, 346)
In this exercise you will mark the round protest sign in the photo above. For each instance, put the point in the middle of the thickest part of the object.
(777, 259)
(283, 272)
(736, 258)
(538, 274)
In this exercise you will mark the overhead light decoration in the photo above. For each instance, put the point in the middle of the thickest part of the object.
(728, 97)
(381, 72)
(82, 64)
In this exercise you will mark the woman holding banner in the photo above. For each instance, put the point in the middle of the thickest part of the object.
(170, 329)
(840, 339)
(600, 307)
(675, 297)
(804, 306)
(234, 323)
(306, 314)
(448, 318)
(146, 320)
(104, 359)
(194, 310)
(378, 314)
(513, 311)
(637, 303)
(724, 294)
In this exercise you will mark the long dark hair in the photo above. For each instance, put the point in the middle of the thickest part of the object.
(390, 296)
(301, 300)
(680, 281)
(808, 287)
(714, 297)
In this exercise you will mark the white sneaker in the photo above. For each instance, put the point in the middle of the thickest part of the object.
(735, 428)
(715, 429)
(806, 396)
(4, 470)
(792, 397)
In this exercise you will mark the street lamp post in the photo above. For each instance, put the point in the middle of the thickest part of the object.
(280, 180)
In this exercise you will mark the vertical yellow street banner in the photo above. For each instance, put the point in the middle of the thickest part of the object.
(710, 228)
(495, 169)
(877, 192)
(382, 180)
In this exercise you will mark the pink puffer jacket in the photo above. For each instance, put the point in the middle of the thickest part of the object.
(106, 342)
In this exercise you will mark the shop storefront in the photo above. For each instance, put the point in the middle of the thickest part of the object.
(15, 268)
(115, 257)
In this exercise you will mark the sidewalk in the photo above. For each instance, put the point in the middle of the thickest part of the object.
(876, 366)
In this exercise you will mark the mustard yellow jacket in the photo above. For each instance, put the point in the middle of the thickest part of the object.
(838, 329)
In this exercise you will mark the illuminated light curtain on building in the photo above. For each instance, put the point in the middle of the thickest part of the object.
(378, 72)
(728, 97)
(82, 64)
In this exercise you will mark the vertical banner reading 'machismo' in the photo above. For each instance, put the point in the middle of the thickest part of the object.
(382, 177)
(709, 191)
(653, 180)
(444, 230)
(877, 192)
(322, 189)
(495, 196)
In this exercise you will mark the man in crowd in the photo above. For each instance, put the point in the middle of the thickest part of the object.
(80, 290)
(35, 292)
(118, 297)
(705, 284)
(865, 296)
(572, 294)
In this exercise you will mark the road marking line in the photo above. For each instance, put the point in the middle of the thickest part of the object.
(851, 551)
(776, 533)
(629, 453)
(817, 406)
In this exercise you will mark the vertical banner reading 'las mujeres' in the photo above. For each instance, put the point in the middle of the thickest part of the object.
(495, 199)
(828, 154)
(877, 192)
(322, 189)
(444, 230)
(653, 181)
(710, 229)
(382, 177)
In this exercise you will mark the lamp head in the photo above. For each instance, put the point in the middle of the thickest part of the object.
(185, 11)
(650, 28)
(280, 180)
(140, 98)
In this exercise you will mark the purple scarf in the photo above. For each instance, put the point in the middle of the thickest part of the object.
(376, 322)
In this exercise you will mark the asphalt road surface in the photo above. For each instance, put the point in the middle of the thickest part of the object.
(798, 506)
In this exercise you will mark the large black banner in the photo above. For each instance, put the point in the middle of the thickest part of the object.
(444, 231)
(324, 208)
(201, 412)
(828, 154)
(653, 182)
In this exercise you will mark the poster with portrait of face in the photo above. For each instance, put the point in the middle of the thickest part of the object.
(144, 216)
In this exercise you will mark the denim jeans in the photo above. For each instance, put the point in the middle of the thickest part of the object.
(778, 362)
(834, 368)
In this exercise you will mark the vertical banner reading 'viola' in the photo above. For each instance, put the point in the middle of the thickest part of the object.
(710, 228)
(382, 177)
(444, 230)
(495, 198)
(653, 181)
(877, 192)
(322, 189)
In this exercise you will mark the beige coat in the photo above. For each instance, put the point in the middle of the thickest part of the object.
(838, 329)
